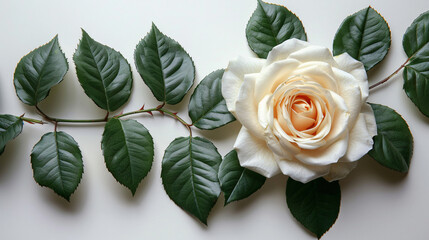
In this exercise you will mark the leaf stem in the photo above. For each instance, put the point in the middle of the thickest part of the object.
(390, 76)
(60, 120)
(159, 109)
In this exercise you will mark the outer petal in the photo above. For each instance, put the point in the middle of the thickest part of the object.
(302, 172)
(247, 107)
(274, 75)
(314, 54)
(283, 50)
(340, 170)
(327, 155)
(254, 154)
(355, 68)
(319, 72)
(234, 76)
(360, 141)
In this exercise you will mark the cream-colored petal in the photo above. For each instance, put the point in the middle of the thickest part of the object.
(273, 75)
(234, 76)
(254, 154)
(247, 107)
(319, 72)
(300, 171)
(283, 50)
(350, 90)
(355, 68)
(340, 170)
(326, 155)
(340, 120)
(314, 54)
(360, 141)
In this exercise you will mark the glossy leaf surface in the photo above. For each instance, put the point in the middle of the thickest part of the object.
(236, 181)
(189, 174)
(10, 128)
(166, 68)
(271, 25)
(315, 204)
(393, 144)
(38, 71)
(104, 73)
(416, 72)
(365, 36)
(207, 107)
(128, 151)
(57, 163)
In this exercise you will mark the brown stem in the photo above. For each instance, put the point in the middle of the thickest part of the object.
(390, 76)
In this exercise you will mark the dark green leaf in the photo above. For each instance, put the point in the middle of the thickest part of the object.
(57, 163)
(237, 182)
(315, 204)
(416, 38)
(207, 107)
(189, 174)
(393, 144)
(104, 73)
(165, 66)
(416, 73)
(2, 150)
(365, 36)
(271, 25)
(38, 71)
(128, 151)
(10, 127)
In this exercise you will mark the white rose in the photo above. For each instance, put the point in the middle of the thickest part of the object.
(303, 111)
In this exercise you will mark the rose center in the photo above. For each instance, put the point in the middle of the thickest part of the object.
(303, 113)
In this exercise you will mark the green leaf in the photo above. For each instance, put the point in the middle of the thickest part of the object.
(365, 36)
(207, 107)
(393, 144)
(38, 71)
(237, 182)
(271, 25)
(315, 204)
(2, 150)
(416, 72)
(10, 128)
(165, 66)
(416, 38)
(104, 73)
(57, 163)
(128, 151)
(189, 174)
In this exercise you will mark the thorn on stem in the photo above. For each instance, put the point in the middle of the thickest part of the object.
(150, 112)
(29, 122)
(142, 108)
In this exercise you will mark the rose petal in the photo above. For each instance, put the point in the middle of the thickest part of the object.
(360, 141)
(340, 170)
(355, 68)
(247, 107)
(326, 155)
(302, 172)
(340, 120)
(254, 154)
(318, 72)
(283, 50)
(314, 54)
(274, 75)
(234, 75)
(350, 90)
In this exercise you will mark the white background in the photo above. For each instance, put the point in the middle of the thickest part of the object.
(376, 203)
